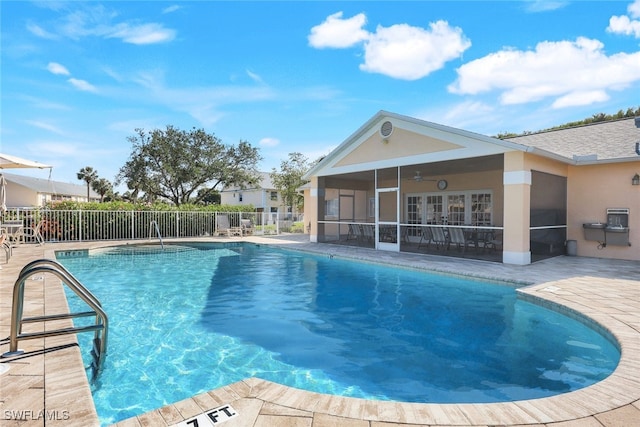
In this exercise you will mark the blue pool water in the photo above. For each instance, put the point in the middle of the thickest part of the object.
(193, 318)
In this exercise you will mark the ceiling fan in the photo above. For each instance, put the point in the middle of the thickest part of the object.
(419, 178)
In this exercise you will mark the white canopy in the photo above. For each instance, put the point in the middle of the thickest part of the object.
(8, 161)
(12, 162)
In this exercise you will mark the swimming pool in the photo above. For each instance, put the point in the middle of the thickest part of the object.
(196, 317)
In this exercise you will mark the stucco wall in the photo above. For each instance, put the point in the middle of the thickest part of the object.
(593, 189)
(19, 196)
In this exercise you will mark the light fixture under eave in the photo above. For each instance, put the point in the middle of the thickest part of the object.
(635, 180)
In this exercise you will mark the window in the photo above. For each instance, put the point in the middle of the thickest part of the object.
(414, 214)
(331, 208)
(434, 209)
(274, 195)
(455, 208)
(481, 209)
(240, 197)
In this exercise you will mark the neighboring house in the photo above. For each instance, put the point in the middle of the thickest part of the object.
(25, 191)
(262, 196)
(399, 175)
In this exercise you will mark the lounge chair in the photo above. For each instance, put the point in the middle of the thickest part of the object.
(355, 232)
(225, 228)
(438, 237)
(367, 232)
(33, 234)
(426, 236)
(222, 225)
(6, 246)
(457, 237)
(494, 241)
(246, 226)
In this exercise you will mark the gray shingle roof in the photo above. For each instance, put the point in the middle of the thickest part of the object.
(608, 141)
(46, 186)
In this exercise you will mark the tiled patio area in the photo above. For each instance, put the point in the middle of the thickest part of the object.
(48, 386)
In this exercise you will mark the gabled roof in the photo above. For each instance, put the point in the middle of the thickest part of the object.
(603, 142)
(46, 186)
(594, 143)
(439, 141)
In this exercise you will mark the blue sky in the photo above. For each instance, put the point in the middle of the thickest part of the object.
(79, 77)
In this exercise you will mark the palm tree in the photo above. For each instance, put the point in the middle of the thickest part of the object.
(88, 175)
(102, 186)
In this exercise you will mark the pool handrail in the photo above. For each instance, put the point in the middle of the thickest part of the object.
(154, 224)
(100, 328)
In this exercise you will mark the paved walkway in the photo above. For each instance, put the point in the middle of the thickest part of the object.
(49, 379)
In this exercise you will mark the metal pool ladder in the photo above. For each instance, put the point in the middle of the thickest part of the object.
(154, 225)
(100, 328)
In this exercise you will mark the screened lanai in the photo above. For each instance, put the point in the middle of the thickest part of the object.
(401, 184)
(452, 208)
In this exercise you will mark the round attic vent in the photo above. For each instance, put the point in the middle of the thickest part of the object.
(386, 129)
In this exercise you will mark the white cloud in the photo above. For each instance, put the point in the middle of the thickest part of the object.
(45, 126)
(544, 5)
(466, 110)
(269, 142)
(83, 85)
(634, 9)
(43, 103)
(98, 21)
(410, 53)
(141, 34)
(625, 24)
(171, 9)
(400, 51)
(255, 77)
(577, 98)
(336, 32)
(56, 68)
(575, 73)
(40, 32)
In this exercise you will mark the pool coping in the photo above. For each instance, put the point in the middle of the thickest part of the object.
(610, 303)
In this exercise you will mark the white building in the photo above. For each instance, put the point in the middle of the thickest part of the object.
(25, 191)
(262, 196)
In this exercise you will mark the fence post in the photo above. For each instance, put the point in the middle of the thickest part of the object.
(177, 224)
(80, 225)
(132, 225)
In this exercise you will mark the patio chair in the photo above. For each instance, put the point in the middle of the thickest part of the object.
(494, 241)
(368, 232)
(457, 237)
(426, 236)
(6, 246)
(439, 237)
(246, 226)
(223, 225)
(33, 234)
(13, 229)
(354, 232)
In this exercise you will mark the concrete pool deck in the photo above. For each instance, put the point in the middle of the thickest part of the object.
(48, 386)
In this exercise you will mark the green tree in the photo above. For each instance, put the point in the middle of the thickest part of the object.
(102, 186)
(88, 175)
(174, 165)
(211, 197)
(289, 179)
